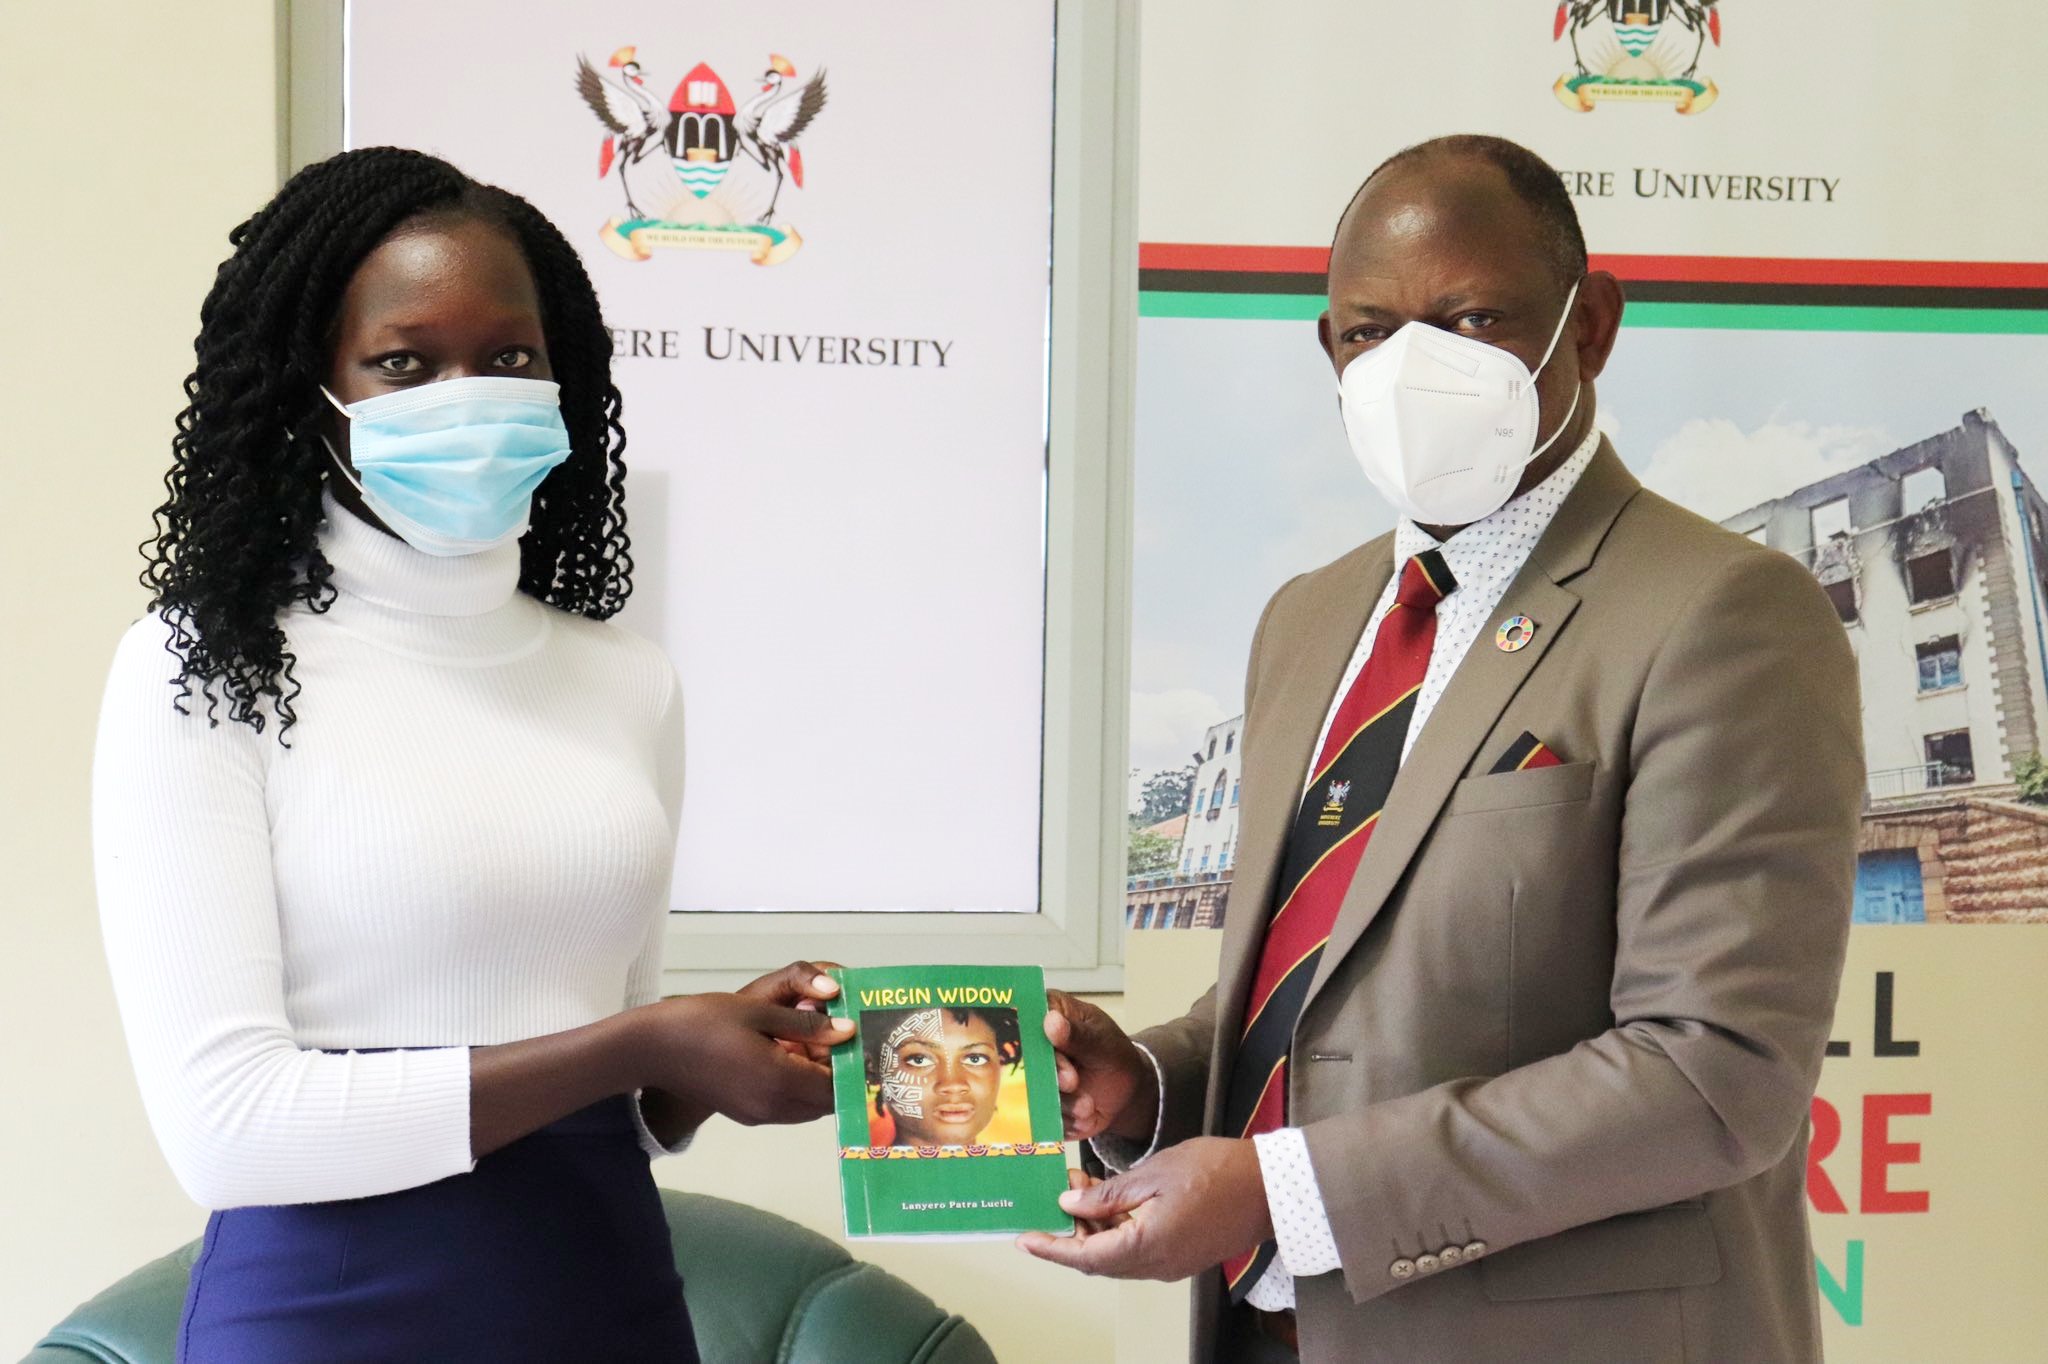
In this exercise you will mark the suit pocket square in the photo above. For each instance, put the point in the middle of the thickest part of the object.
(1525, 753)
(1557, 784)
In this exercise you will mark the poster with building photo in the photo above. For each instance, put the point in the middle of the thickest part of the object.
(1836, 342)
(1818, 352)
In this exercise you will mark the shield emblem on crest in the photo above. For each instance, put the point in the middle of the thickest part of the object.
(1636, 37)
(701, 137)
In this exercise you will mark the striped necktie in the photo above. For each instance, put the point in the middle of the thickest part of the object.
(1353, 774)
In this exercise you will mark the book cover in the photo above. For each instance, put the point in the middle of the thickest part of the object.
(947, 1108)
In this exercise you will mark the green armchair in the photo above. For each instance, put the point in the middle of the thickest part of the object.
(762, 1291)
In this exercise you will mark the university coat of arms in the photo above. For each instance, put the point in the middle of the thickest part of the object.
(701, 136)
(1637, 51)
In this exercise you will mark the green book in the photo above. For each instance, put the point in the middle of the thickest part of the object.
(947, 1105)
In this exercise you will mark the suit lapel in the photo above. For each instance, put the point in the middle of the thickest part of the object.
(1479, 690)
(1295, 691)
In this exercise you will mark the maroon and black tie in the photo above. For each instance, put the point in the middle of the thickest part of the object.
(1352, 776)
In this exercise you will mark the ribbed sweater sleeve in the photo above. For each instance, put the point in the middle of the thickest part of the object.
(643, 985)
(182, 856)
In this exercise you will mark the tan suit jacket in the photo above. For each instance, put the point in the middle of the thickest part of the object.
(1574, 1013)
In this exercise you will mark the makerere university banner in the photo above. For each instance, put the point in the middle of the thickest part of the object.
(820, 234)
(1830, 226)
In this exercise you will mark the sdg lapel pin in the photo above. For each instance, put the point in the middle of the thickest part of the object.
(1514, 634)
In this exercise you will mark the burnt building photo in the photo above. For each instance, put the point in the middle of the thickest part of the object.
(1934, 558)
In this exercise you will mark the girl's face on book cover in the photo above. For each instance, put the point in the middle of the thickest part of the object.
(955, 1070)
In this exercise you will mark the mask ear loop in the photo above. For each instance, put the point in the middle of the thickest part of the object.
(1562, 318)
(340, 465)
(1555, 336)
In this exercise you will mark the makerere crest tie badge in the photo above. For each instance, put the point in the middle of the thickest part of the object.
(1333, 804)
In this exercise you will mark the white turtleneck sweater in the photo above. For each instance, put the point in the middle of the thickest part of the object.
(469, 841)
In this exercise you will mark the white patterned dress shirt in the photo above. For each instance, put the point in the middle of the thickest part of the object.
(1484, 558)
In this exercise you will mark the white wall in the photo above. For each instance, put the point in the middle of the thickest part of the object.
(132, 137)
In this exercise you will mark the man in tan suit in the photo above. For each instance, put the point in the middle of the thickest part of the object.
(1540, 1077)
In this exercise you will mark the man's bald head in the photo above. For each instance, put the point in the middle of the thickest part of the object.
(1552, 220)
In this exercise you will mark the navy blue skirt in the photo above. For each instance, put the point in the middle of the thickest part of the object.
(554, 1248)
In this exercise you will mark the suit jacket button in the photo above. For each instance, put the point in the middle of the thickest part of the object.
(1475, 1249)
(1402, 1269)
(1450, 1255)
(1426, 1264)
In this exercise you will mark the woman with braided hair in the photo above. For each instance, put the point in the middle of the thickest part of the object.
(385, 812)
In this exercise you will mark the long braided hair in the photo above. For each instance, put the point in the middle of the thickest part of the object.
(236, 540)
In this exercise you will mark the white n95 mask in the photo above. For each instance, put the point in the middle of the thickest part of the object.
(1444, 424)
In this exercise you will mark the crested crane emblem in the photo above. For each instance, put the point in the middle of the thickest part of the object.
(625, 109)
(674, 165)
(1636, 52)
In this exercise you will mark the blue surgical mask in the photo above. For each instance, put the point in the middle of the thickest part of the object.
(451, 466)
